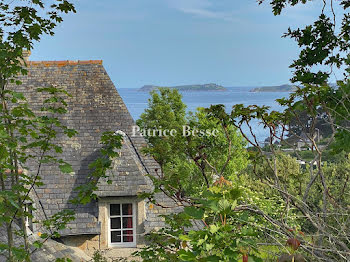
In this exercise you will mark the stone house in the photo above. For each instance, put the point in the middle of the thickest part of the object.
(304, 140)
(118, 219)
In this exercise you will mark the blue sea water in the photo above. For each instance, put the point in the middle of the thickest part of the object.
(137, 101)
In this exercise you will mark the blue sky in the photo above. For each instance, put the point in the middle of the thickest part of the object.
(174, 42)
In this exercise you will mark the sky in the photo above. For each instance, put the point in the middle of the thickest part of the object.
(177, 42)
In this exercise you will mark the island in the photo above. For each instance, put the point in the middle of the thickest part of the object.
(205, 87)
(281, 88)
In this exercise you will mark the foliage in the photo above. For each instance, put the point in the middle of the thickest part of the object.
(311, 210)
(98, 257)
(27, 136)
(166, 111)
(22, 24)
(231, 201)
(300, 188)
(63, 260)
(211, 230)
(322, 126)
(190, 161)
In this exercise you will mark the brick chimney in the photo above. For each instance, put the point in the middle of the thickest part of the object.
(26, 55)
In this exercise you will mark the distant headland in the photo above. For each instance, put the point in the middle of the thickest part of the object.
(281, 88)
(205, 87)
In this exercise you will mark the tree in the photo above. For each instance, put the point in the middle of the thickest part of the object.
(20, 128)
(206, 175)
(322, 43)
(190, 160)
(321, 125)
(27, 137)
(224, 233)
(165, 112)
(312, 215)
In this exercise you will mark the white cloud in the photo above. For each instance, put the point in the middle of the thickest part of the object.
(190, 4)
(207, 13)
(200, 8)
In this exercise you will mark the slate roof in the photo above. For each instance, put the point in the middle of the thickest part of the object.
(95, 107)
(49, 252)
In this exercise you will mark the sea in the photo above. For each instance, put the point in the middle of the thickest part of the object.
(137, 101)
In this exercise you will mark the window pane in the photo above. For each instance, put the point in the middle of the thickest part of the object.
(127, 232)
(115, 223)
(128, 238)
(127, 209)
(115, 210)
(127, 222)
(116, 237)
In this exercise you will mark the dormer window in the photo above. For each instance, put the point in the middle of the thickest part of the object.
(122, 224)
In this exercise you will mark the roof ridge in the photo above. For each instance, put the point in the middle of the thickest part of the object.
(65, 62)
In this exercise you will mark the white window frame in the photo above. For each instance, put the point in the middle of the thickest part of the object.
(29, 221)
(122, 244)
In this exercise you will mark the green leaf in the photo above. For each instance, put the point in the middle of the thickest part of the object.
(211, 204)
(212, 259)
(66, 168)
(235, 193)
(213, 229)
(254, 259)
(201, 242)
(224, 205)
(37, 244)
(195, 212)
(184, 238)
(186, 255)
(230, 253)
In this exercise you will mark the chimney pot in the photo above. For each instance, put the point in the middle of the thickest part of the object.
(26, 55)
